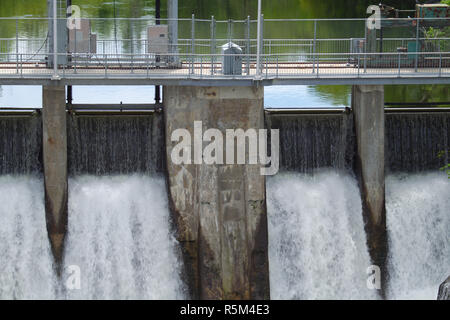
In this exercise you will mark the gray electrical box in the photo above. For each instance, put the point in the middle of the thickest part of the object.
(232, 59)
(82, 40)
(61, 26)
(158, 39)
(356, 49)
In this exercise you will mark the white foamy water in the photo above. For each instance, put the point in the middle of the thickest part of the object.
(26, 270)
(418, 222)
(119, 236)
(317, 243)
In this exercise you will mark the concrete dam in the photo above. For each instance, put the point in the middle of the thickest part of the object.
(139, 226)
(207, 194)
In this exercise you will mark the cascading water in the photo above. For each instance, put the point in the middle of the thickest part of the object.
(317, 245)
(26, 270)
(418, 222)
(119, 237)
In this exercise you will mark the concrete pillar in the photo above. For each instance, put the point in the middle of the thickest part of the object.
(368, 108)
(220, 210)
(55, 166)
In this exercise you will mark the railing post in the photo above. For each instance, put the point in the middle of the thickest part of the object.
(440, 64)
(314, 45)
(248, 46)
(277, 66)
(399, 64)
(55, 41)
(365, 49)
(317, 65)
(267, 66)
(147, 62)
(229, 32)
(192, 42)
(417, 45)
(213, 44)
(359, 62)
(259, 41)
(17, 41)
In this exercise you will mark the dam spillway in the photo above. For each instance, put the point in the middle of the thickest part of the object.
(124, 245)
(122, 160)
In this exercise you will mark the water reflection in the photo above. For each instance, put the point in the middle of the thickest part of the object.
(291, 96)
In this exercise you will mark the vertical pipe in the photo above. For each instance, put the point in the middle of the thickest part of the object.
(17, 38)
(17, 46)
(315, 44)
(258, 46)
(365, 49)
(193, 41)
(172, 13)
(55, 41)
(213, 44)
(416, 64)
(248, 45)
(158, 17)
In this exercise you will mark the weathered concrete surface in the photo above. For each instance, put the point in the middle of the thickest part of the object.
(444, 290)
(55, 166)
(220, 210)
(368, 108)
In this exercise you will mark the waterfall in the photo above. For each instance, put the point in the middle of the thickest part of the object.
(115, 144)
(413, 141)
(418, 222)
(308, 142)
(317, 243)
(26, 270)
(119, 237)
(20, 145)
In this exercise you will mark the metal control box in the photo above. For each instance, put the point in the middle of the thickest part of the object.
(158, 39)
(82, 40)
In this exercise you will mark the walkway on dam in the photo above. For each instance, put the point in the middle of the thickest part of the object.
(226, 53)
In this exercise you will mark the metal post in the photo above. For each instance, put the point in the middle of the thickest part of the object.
(172, 14)
(17, 39)
(359, 63)
(229, 30)
(365, 49)
(55, 42)
(315, 44)
(157, 16)
(399, 63)
(277, 66)
(440, 64)
(258, 48)
(213, 44)
(248, 46)
(417, 45)
(193, 41)
(17, 46)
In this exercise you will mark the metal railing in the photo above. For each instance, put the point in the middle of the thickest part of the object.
(310, 48)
